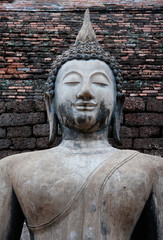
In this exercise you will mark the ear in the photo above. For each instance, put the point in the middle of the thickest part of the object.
(49, 102)
(116, 121)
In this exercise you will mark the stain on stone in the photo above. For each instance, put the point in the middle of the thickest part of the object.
(104, 228)
(104, 202)
(94, 207)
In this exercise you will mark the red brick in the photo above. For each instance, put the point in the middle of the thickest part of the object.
(25, 131)
(154, 105)
(138, 119)
(134, 104)
(149, 131)
(148, 143)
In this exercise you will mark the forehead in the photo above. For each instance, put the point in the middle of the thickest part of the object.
(85, 67)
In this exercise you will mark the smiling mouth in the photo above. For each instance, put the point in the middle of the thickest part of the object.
(85, 106)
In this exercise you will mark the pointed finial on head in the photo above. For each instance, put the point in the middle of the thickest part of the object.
(86, 32)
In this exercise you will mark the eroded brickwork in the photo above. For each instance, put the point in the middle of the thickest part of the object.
(34, 32)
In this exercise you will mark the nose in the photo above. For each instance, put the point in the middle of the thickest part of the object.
(85, 93)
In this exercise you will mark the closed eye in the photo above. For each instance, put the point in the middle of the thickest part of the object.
(72, 78)
(100, 79)
(72, 83)
(100, 84)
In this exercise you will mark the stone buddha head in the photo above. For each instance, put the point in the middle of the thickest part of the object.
(85, 92)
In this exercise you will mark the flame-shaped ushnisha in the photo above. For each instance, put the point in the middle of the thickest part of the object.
(86, 47)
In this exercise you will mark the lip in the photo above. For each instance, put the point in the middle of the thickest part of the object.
(85, 106)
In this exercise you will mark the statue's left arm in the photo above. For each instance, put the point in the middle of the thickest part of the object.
(158, 195)
(11, 216)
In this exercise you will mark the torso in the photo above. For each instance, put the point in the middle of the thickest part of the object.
(59, 202)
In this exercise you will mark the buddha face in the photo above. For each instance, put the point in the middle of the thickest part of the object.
(85, 95)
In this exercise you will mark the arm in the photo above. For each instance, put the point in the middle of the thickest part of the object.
(158, 193)
(11, 216)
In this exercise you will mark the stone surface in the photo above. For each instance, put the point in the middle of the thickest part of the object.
(4, 144)
(25, 233)
(14, 119)
(24, 66)
(41, 130)
(2, 107)
(133, 119)
(8, 152)
(42, 142)
(2, 133)
(134, 104)
(24, 131)
(83, 188)
(151, 143)
(126, 132)
(154, 105)
(19, 107)
(23, 143)
(149, 131)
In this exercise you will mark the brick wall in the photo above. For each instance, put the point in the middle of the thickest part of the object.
(32, 33)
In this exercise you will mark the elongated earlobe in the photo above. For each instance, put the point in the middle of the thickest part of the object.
(53, 123)
(116, 120)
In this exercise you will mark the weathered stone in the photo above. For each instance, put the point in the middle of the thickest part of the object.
(4, 143)
(21, 107)
(155, 152)
(41, 130)
(23, 143)
(16, 119)
(154, 105)
(137, 119)
(126, 132)
(134, 104)
(24, 131)
(5, 153)
(40, 106)
(42, 143)
(2, 107)
(148, 143)
(2, 132)
(149, 131)
(84, 176)
(25, 233)
(126, 143)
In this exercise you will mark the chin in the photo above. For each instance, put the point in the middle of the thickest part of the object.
(85, 123)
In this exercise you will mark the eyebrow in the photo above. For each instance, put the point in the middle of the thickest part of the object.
(71, 73)
(101, 72)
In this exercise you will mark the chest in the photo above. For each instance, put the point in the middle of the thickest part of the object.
(46, 192)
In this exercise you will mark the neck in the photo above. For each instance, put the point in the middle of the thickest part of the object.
(73, 139)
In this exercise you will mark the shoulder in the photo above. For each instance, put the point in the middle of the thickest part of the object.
(14, 164)
(143, 162)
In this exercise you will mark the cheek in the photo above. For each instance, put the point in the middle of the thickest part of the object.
(66, 93)
(107, 97)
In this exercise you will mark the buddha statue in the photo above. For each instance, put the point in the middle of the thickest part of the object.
(83, 189)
